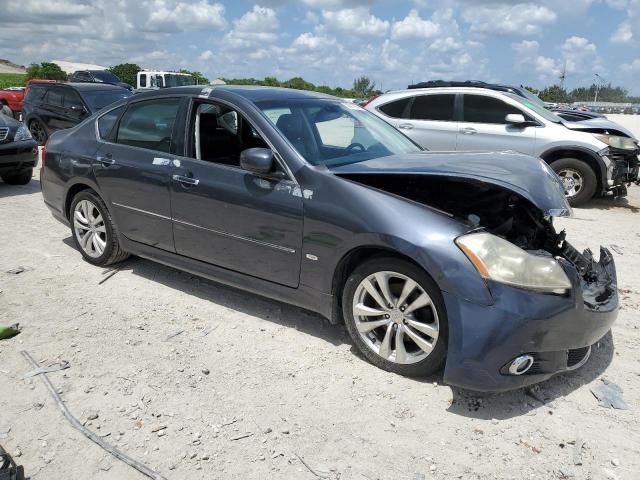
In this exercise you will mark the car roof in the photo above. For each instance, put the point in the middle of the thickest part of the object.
(465, 83)
(80, 86)
(253, 93)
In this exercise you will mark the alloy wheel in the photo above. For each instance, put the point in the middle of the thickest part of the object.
(89, 228)
(572, 181)
(37, 132)
(395, 317)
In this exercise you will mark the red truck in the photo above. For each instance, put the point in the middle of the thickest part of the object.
(11, 101)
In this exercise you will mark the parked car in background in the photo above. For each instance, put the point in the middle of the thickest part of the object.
(98, 76)
(18, 152)
(11, 101)
(427, 257)
(55, 106)
(154, 80)
(592, 157)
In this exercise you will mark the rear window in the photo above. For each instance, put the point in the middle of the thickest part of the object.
(395, 109)
(433, 107)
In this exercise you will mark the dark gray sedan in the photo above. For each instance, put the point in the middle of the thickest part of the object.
(429, 258)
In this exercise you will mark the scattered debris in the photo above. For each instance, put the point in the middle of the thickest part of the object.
(173, 336)
(609, 395)
(19, 270)
(9, 332)
(108, 276)
(88, 433)
(52, 367)
(617, 248)
(158, 428)
(206, 371)
(309, 468)
(577, 451)
(240, 437)
(4, 431)
(533, 448)
(533, 393)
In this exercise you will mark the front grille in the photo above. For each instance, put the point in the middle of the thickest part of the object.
(626, 165)
(4, 131)
(575, 356)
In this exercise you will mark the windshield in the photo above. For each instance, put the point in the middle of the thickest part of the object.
(106, 77)
(537, 106)
(97, 100)
(177, 80)
(332, 133)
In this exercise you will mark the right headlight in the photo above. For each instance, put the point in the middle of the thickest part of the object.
(22, 133)
(501, 261)
(616, 141)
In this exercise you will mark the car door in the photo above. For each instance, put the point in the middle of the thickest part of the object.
(484, 128)
(74, 109)
(51, 110)
(132, 169)
(428, 119)
(227, 216)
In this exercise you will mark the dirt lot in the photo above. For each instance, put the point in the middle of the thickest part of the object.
(201, 381)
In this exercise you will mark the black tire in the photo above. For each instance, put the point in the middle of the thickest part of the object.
(38, 132)
(435, 359)
(113, 253)
(589, 185)
(5, 110)
(21, 178)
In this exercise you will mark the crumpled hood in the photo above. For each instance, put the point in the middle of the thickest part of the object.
(598, 123)
(529, 177)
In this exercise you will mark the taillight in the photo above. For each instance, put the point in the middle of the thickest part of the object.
(369, 101)
(43, 155)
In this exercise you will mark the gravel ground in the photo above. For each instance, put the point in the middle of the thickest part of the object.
(201, 381)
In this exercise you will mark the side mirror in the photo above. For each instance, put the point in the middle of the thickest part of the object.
(515, 119)
(257, 160)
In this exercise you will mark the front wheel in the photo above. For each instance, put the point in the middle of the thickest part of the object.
(94, 232)
(578, 179)
(21, 178)
(38, 132)
(395, 315)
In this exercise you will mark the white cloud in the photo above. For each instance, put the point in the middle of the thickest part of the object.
(504, 19)
(355, 21)
(206, 55)
(168, 16)
(258, 26)
(414, 27)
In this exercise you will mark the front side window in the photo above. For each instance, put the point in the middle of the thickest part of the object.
(335, 133)
(482, 109)
(149, 124)
(107, 121)
(433, 107)
(143, 80)
(54, 97)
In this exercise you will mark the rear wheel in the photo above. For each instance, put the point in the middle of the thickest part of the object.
(94, 232)
(395, 315)
(38, 132)
(21, 178)
(5, 110)
(578, 179)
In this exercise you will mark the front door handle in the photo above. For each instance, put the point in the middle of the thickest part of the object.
(106, 160)
(468, 131)
(405, 126)
(186, 180)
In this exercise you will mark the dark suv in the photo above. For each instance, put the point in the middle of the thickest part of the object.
(98, 76)
(54, 106)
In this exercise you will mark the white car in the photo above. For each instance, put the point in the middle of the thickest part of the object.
(590, 159)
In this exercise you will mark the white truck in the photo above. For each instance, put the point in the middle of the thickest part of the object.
(153, 80)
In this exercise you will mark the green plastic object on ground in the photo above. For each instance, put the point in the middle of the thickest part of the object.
(8, 332)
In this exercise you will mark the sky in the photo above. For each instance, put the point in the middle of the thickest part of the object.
(332, 42)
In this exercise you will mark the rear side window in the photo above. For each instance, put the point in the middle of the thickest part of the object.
(481, 109)
(143, 80)
(72, 99)
(395, 109)
(433, 107)
(35, 93)
(149, 124)
(54, 97)
(107, 121)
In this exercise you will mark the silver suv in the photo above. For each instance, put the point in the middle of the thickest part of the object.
(590, 159)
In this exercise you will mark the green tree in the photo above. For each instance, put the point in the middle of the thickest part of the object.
(128, 72)
(299, 83)
(197, 77)
(554, 94)
(45, 71)
(363, 87)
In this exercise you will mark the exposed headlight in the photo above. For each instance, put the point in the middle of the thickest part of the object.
(501, 261)
(22, 133)
(615, 141)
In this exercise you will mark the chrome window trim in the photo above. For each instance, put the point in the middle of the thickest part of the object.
(139, 210)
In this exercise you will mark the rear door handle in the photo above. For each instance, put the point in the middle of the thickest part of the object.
(186, 180)
(106, 160)
(468, 131)
(405, 126)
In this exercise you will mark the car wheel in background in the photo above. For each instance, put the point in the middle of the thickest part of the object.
(578, 179)
(395, 315)
(21, 178)
(94, 233)
(4, 109)
(38, 132)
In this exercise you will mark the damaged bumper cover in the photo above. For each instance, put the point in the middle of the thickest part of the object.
(623, 169)
(555, 332)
